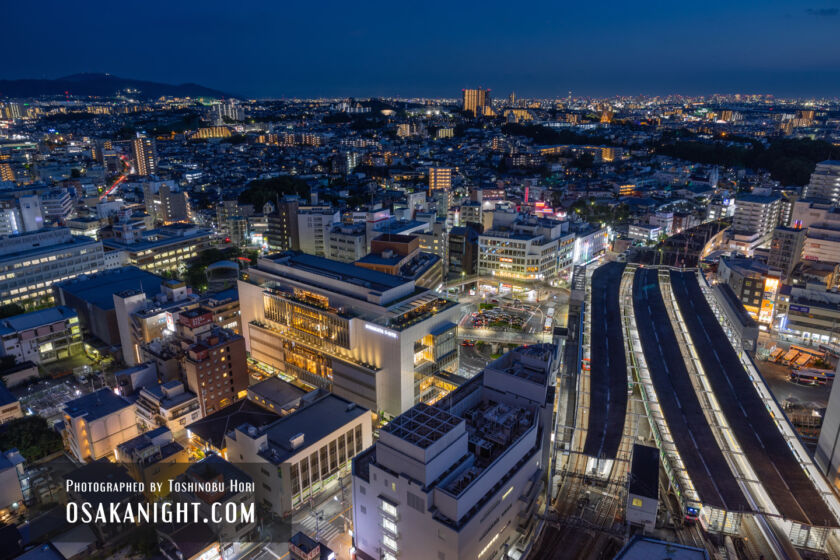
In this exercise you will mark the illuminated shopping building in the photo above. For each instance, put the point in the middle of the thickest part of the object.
(375, 339)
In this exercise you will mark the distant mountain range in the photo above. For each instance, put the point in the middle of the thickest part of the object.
(102, 85)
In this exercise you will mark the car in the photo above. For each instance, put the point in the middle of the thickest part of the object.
(468, 343)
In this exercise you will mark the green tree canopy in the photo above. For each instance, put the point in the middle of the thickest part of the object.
(260, 191)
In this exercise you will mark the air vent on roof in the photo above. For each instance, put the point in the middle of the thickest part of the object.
(296, 441)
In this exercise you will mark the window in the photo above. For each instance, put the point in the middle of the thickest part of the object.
(637, 502)
(363, 509)
(390, 542)
(389, 526)
(362, 490)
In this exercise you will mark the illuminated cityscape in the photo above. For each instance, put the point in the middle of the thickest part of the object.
(554, 282)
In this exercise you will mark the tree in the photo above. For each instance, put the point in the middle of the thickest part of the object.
(260, 191)
(10, 310)
(31, 436)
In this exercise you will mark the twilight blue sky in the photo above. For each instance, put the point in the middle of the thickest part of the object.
(429, 47)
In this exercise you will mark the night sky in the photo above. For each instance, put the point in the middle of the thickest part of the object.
(429, 48)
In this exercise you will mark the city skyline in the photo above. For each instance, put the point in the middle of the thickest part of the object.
(779, 47)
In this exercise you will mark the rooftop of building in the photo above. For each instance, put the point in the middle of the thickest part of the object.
(35, 319)
(422, 425)
(150, 447)
(161, 237)
(341, 271)
(213, 466)
(644, 471)
(758, 198)
(169, 402)
(308, 425)
(95, 405)
(212, 428)
(99, 289)
(277, 390)
(648, 548)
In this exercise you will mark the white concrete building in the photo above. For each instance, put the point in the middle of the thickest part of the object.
(96, 423)
(31, 263)
(302, 455)
(825, 182)
(370, 337)
(347, 242)
(462, 478)
(314, 226)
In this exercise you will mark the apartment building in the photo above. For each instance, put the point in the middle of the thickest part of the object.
(168, 405)
(375, 339)
(42, 336)
(825, 182)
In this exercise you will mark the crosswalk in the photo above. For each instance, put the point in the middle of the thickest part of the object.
(327, 530)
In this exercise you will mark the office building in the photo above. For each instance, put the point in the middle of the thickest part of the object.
(144, 155)
(314, 226)
(92, 297)
(462, 478)
(476, 101)
(526, 248)
(646, 233)
(375, 339)
(822, 241)
(161, 250)
(463, 251)
(96, 423)
(298, 457)
(786, 249)
(347, 242)
(809, 313)
(825, 182)
(42, 336)
(282, 232)
(57, 206)
(754, 284)
(30, 263)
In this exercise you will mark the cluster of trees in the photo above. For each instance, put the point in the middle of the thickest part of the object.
(196, 273)
(593, 212)
(260, 191)
(31, 436)
(545, 135)
(788, 160)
